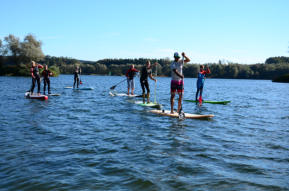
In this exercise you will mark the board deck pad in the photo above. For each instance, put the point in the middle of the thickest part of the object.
(176, 115)
(35, 96)
(207, 101)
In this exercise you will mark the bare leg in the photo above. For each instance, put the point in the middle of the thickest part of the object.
(127, 91)
(172, 102)
(180, 102)
(132, 91)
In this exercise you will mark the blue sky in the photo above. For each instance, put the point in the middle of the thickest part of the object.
(244, 31)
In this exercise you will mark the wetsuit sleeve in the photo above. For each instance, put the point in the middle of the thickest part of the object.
(127, 73)
(31, 70)
(208, 71)
(135, 70)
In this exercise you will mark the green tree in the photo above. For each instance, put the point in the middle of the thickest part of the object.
(13, 47)
(31, 49)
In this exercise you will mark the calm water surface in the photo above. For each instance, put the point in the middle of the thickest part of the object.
(88, 140)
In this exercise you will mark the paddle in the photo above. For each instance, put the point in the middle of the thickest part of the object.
(181, 112)
(80, 82)
(158, 106)
(112, 87)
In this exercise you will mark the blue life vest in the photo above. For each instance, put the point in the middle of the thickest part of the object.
(201, 79)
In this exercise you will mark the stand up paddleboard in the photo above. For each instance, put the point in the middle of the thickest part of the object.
(35, 96)
(54, 94)
(122, 94)
(176, 115)
(151, 104)
(69, 87)
(212, 102)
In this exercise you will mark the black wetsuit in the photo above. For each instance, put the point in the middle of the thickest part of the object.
(46, 80)
(35, 78)
(145, 73)
(76, 78)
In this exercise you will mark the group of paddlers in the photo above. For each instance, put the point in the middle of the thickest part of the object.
(177, 79)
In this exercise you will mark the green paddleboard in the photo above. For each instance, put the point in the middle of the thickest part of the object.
(212, 102)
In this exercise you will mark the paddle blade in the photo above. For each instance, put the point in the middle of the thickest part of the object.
(200, 100)
(112, 87)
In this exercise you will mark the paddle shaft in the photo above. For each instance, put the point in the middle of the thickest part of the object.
(117, 84)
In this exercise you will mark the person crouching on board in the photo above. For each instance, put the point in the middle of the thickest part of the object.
(76, 76)
(145, 73)
(46, 74)
(130, 74)
(201, 80)
(177, 82)
(35, 77)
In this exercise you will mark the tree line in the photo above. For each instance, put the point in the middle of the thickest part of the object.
(15, 57)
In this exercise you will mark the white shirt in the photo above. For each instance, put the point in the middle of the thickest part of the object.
(179, 67)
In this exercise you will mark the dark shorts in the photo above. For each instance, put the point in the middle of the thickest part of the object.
(177, 85)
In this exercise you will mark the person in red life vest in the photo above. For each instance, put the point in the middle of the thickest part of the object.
(130, 74)
(35, 76)
(201, 80)
(46, 74)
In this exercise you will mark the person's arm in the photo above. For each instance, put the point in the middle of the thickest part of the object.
(186, 58)
(151, 77)
(50, 73)
(127, 73)
(208, 71)
(39, 66)
(31, 70)
(135, 70)
(178, 74)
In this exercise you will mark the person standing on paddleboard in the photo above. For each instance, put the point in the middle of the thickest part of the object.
(201, 80)
(177, 82)
(130, 74)
(76, 76)
(35, 76)
(145, 73)
(46, 74)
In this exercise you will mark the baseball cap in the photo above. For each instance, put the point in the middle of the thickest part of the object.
(176, 55)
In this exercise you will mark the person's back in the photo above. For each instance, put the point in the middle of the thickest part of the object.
(130, 76)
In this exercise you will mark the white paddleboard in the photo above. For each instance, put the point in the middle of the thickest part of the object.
(54, 94)
(35, 96)
(122, 94)
(176, 115)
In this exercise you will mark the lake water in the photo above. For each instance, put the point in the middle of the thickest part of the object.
(88, 140)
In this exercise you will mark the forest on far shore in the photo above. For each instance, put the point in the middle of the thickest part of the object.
(16, 55)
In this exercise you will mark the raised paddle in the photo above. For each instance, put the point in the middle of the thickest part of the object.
(112, 87)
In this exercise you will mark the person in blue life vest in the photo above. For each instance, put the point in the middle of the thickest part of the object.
(201, 80)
